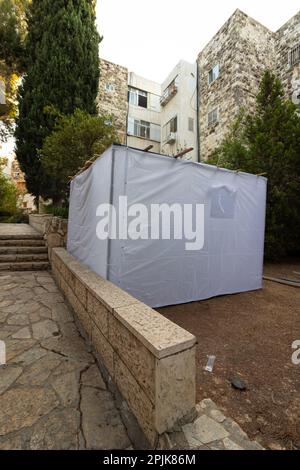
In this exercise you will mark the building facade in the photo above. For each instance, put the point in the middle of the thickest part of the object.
(179, 111)
(196, 104)
(144, 116)
(230, 69)
(148, 114)
(112, 96)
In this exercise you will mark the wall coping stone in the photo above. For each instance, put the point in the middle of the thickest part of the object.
(158, 334)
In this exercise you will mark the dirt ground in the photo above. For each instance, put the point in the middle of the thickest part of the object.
(251, 336)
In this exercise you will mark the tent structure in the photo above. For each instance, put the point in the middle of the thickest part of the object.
(138, 256)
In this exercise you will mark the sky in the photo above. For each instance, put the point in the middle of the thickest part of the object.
(150, 37)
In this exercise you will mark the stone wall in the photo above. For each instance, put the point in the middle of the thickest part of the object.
(40, 222)
(243, 48)
(288, 37)
(54, 229)
(114, 102)
(149, 360)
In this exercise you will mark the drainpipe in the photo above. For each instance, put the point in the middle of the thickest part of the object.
(198, 113)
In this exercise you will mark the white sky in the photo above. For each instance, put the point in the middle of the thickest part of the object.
(150, 37)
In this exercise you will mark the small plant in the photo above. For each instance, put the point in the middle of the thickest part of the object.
(57, 211)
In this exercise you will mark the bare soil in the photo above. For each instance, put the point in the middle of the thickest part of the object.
(251, 335)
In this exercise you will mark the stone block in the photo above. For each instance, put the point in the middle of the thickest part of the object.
(103, 348)
(81, 292)
(80, 311)
(175, 388)
(204, 431)
(139, 360)
(111, 296)
(136, 398)
(161, 336)
(98, 313)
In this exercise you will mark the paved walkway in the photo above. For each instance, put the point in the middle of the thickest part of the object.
(52, 395)
(17, 229)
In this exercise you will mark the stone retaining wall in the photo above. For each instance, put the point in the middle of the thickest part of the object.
(54, 229)
(149, 359)
(40, 221)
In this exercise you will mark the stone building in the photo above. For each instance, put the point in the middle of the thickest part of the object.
(230, 68)
(112, 96)
(26, 200)
(288, 57)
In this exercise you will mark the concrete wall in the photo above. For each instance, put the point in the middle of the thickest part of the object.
(184, 106)
(150, 360)
(150, 114)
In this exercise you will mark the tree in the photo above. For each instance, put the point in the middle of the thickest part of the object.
(12, 33)
(62, 70)
(8, 193)
(76, 138)
(12, 63)
(268, 141)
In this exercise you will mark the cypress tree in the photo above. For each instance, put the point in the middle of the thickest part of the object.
(62, 73)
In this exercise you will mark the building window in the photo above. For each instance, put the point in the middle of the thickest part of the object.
(138, 97)
(143, 129)
(213, 117)
(191, 125)
(213, 74)
(110, 87)
(294, 55)
(170, 127)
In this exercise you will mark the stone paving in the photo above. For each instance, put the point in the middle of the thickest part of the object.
(17, 229)
(214, 431)
(52, 395)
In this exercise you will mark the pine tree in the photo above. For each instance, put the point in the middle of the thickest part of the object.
(62, 72)
(268, 141)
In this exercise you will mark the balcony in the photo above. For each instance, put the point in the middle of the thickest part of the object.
(168, 94)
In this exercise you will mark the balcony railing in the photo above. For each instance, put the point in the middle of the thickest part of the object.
(168, 94)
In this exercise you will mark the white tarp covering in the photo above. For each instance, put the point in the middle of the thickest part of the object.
(162, 272)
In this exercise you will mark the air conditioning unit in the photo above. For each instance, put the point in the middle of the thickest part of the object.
(171, 138)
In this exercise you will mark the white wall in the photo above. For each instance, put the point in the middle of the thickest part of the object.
(184, 105)
(150, 114)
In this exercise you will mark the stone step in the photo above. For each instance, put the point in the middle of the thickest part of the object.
(26, 266)
(22, 242)
(6, 250)
(31, 236)
(16, 257)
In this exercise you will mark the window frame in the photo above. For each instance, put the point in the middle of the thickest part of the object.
(110, 87)
(191, 124)
(213, 74)
(138, 95)
(215, 121)
(151, 129)
(168, 127)
(294, 55)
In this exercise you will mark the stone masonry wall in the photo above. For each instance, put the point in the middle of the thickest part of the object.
(150, 360)
(243, 49)
(114, 102)
(288, 37)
